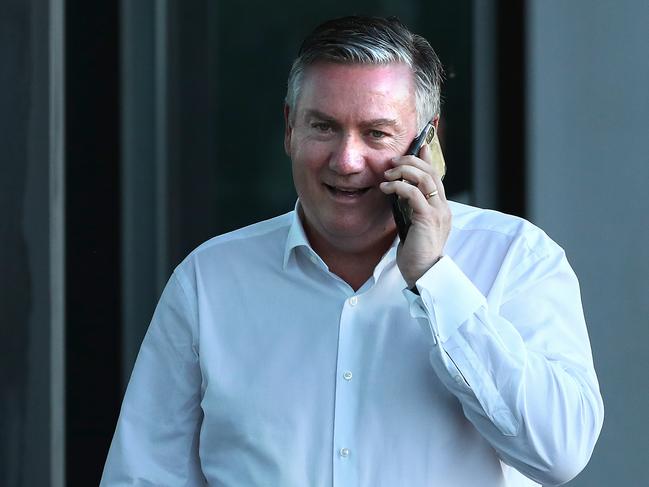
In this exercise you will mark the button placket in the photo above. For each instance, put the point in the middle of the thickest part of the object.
(346, 398)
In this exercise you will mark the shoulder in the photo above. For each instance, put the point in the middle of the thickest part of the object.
(267, 231)
(503, 254)
(243, 249)
(467, 218)
(490, 227)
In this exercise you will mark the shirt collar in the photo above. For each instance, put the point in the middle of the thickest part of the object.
(297, 238)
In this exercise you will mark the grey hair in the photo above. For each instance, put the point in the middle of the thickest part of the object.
(372, 40)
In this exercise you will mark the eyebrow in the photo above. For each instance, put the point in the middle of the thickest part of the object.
(381, 122)
(318, 114)
(376, 122)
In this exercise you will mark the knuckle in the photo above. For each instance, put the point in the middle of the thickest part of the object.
(410, 158)
(428, 180)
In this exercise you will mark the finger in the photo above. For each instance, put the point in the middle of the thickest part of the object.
(412, 194)
(439, 186)
(426, 154)
(423, 163)
(410, 161)
(423, 180)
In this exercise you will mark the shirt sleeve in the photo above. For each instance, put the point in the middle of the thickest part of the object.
(520, 363)
(156, 440)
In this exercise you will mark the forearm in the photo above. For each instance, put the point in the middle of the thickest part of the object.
(529, 388)
(541, 414)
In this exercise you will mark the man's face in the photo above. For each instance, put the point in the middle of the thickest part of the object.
(350, 120)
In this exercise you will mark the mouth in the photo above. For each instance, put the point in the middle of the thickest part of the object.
(346, 192)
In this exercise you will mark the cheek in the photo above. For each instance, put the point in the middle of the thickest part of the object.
(305, 175)
(311, 157)
(381, 163)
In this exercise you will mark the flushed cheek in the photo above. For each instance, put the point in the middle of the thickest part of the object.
(380, 166)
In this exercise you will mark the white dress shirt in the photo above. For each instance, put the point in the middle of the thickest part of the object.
(262, 368)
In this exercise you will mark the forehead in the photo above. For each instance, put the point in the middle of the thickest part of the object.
(358, 90)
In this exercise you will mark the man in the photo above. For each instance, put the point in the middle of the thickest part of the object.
(316, 349)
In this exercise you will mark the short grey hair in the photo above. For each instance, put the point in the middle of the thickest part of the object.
(372, 40)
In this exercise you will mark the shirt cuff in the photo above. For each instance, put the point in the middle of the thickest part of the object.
(447, 298)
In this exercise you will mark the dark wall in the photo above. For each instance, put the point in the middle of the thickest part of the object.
(25, 307)
(15, 286)
(93, 322)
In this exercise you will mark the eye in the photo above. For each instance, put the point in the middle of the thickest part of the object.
(323, 127)
(377, 134)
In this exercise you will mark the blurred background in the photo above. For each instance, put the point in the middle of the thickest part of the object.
(132, 131)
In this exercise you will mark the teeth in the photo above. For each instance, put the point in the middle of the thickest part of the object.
(347, 191)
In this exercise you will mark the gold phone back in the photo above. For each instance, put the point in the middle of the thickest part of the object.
(439, 165)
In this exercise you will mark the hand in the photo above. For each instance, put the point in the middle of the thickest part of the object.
(431, 217)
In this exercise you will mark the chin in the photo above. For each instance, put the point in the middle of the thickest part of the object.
(360, 227)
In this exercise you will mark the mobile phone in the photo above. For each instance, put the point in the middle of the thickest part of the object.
(400, 208)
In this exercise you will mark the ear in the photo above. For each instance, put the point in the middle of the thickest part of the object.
(436, 122)
(288, 130)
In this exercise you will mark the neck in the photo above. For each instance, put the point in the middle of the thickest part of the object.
(352, 262)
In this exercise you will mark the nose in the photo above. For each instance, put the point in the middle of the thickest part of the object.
(349, 156)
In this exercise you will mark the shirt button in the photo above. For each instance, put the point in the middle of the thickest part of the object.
(458, 379)
(347, 375)
(353, 300)
(344, 452)
(314, 259)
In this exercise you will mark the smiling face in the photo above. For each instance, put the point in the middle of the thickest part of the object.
(350, 120)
